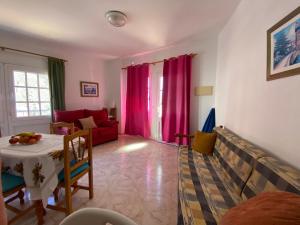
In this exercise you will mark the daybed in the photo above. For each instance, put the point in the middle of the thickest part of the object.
(209, 185)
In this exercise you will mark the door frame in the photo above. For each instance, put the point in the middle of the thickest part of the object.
(4, 127)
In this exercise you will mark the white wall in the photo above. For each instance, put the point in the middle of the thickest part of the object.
(203, 73)
(84, 67)
(81, 66)
(265, 112)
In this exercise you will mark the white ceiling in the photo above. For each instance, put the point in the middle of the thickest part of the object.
(152, 24)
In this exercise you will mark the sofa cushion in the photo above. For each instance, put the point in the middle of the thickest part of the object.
(270, 174)
(70, 116)
(269, 208)
(204, 142)
(98, 115)
(204, 197)
(104, 134)
(236, 156)
(107, 123)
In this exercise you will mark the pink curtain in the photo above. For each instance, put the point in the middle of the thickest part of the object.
(176, 97)
(123, 85)
(137, 100)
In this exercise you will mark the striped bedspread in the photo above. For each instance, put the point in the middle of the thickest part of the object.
(208, 186)
(203, 195)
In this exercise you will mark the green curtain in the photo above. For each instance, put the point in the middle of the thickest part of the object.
(56, 70)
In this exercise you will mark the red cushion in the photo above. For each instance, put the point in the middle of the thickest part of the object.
(106, 123)
(104, 134)
(70, 116)
(268, 208)
(98, 115)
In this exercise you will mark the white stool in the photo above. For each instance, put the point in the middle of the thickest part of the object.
(96, 216)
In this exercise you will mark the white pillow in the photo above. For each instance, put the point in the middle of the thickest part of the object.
(87, 123)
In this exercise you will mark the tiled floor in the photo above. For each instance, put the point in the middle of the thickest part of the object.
(133, 176)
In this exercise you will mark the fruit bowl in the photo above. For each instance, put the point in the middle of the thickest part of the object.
(25, 138)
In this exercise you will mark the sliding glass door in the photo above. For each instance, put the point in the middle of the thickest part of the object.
(156, 90)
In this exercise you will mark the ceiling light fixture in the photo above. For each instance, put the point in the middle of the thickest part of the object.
(116, 18)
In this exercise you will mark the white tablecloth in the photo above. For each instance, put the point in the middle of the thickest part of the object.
(34, 163)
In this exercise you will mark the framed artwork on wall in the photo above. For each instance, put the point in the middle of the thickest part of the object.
(283, 47)
(89, 89)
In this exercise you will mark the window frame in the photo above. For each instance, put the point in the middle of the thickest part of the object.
(12, 99)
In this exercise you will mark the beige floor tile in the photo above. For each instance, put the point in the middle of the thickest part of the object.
(133, 176)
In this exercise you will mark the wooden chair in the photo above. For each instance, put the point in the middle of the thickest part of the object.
(12, 188)
(77, 162)
(57, 128)
(61, 128)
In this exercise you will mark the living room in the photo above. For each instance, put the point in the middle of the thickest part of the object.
(101, 70)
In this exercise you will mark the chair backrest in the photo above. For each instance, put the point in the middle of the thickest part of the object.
(77, 151)
(62, 128)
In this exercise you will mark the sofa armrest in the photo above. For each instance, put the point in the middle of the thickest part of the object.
(115, 123)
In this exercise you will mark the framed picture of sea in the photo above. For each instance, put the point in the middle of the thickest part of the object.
(283, 47)
(89, 89)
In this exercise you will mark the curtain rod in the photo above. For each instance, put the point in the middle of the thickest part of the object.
(160, 61)
(27, 52)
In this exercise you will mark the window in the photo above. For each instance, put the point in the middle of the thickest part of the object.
(32, 95)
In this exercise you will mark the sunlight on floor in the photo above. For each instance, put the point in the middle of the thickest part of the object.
(132, 147)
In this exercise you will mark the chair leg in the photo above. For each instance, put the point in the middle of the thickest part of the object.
(75, 185)
(91, 189)
(55, 194)
(21, 197)
(39, 210)
(68, 199)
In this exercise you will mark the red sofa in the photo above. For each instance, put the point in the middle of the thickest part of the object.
(106, 130)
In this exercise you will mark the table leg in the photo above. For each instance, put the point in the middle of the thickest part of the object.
(39, 210)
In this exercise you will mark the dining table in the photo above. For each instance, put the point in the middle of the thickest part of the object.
(39, 165)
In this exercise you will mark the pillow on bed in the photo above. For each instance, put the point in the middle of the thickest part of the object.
(268, 208)
(204, 142)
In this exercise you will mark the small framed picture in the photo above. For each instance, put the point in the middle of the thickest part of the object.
(283, 50)
(89, 89)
